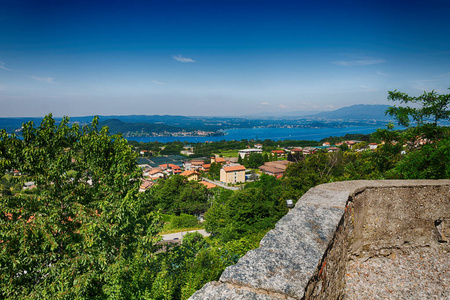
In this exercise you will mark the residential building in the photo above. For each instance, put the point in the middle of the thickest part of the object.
(373, 146)
(190, 175)
(193, 165)
(205, 167)
(146, 184)
(333, 149)
(218, 160)
(297, 150)
(246, 152)
(275, 168)
(232, 174)
(156, 173)
(278, 153)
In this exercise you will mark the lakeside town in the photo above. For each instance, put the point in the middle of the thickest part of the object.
(232, 170)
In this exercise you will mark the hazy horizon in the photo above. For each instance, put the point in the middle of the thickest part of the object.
(216, 58)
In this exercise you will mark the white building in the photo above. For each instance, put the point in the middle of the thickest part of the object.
(247, 152)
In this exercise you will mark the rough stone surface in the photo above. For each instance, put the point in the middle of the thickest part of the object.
(408, 273)
(223, 291)
(318, 248)
(307, 230)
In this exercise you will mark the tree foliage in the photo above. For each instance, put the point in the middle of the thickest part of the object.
(68, 238)
(427, 110)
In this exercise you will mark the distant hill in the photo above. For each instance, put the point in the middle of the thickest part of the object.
(13, 124)
(355, 112)
(118, 126)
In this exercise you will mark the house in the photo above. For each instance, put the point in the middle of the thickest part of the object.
(258, 146)
(156, 173)
(278, 153)
(232, 174)
(308, 150)
(326, 144)
(275, 168)
(218, 160)
(296, 150)
(373, 146)
(193, 165)
(190, 175)
(333, 149)
(170, 168)
(246, 152)
(145, 184)
(205, 167)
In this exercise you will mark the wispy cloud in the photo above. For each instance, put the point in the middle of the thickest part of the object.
(183, 59)
(2, 67)
(383, 74)
(282, 106)
(359, 62)
(44, 79)
(424, 85)
(157, 82)
(264, 103)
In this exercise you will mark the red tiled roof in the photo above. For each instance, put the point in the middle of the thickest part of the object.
(208, 185)
(152, 172)
(234, 168)
(188, 173)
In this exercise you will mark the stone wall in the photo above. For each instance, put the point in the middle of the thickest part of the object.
(313, 250)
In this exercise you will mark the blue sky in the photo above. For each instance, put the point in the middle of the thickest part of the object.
(216, 57)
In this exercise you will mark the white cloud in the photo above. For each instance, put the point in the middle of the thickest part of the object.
(2, 66)
(282, 106)
(183, 59)
(365, 88)
(360, 62)
(264, 103)
(157, 82)
(383, 74)
(44, 79)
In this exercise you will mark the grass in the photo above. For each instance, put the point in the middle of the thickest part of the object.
(229, 153)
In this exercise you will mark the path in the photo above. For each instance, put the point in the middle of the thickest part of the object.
(233, 188)
(179, 235)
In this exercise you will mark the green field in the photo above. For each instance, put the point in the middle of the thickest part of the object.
(229, 153)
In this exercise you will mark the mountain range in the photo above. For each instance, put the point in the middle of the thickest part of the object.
(359, 113)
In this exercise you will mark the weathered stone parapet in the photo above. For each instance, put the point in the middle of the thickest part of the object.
(305, 255)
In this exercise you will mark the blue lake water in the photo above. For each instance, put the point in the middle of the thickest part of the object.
(315, 134)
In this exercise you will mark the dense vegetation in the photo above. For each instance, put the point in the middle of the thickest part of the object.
(85, 232)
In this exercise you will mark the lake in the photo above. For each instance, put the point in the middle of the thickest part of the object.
(315, 134)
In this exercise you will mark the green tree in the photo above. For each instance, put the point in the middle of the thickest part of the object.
(433, 107)
(70, 238)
